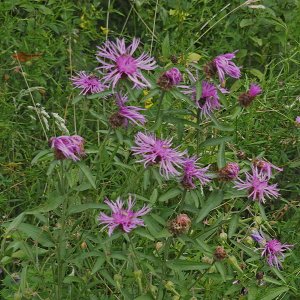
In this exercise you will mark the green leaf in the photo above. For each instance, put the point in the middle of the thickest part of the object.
(74, 209)
(184, 265)
(216, 141)
(172, 193)
(40, 155)
(15, 223)
(53, 202)
(246, 22)
(211, 203)
(198, 89)
(100, 95)
(233, 225)
(36, 234)
(98, 264)
(221, 156)
(87, 172)
(274, 292)
(221, 269)
(77, 99)
(166, 46)
(257, 73)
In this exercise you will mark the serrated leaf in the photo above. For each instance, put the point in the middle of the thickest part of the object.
(274, 292)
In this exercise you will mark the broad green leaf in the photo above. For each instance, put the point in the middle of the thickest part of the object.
(166, 46)
(198, 89)
(170, 194)
(233, 225)
(15, 223)
(77, 99)
(212, 202)
(221, 156)
(40, 155)
(52, 203)
(184, 265)
(257, 73)
(98, 264)
(74, 209)
(87, 172)
(216, 141)
(274, 292)
(221, 269)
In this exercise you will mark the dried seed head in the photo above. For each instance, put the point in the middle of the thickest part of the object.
(181, 224)
(83, 245)
(220, 253)
(260, 275)
(210, 69)
(241, 154)
(164, 82)
(174, 59)
(116, 120)
(245, 99)
(229, 172)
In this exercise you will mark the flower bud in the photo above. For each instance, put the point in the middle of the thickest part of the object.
(223, 236)
(249, 240)
(258, 220)
(260, 275)
(181, 224)
(169, 285)
(138, 274)
(220, 253)
(158, 246)
(83, 245)
(207, 260)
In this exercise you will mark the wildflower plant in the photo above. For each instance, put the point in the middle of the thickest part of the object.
(192, 196)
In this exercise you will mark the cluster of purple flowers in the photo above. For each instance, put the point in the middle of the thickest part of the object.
(119, 62)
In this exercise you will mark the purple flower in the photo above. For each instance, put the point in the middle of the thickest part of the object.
(68, 147)
(271, 249)
(191, 171)
(118, 62)
(121, 217)
(246, 99)
(258, 186)
(230, 171)
(274, 252)
(156, 151)
(265, 167)
(209, 99)
(224, 65)
(89, 84)
(258, 237)
(254, 90)
(174, 76)
(298, 120)
(126, 113)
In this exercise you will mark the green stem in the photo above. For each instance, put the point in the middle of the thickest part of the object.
(160, 100)
(198, 130)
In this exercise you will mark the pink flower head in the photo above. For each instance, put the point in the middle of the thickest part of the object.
(265, 167)
(298, 120)
(89, 84)
(174, 76)
(254, 90)
(224, 65)
(273, 249)
(258, 186)
(230, 171)
(209, 99)
(118, 62)
(274, 252)
(156, 151)
(121, 217)
(126, 113)
(192, 171)
(68, 147)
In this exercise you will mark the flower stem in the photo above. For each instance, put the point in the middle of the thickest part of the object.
(198, 130)
(160, 100)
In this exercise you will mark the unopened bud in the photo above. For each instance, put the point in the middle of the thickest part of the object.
(138, 274)
(260, 275)
(158, 246)
(220, 253)
(176, 297)
(207, 260)
(117, 278)
(223, 236)
(153, 289)
(169, 285)
(181, 224)
(258, 220)
(5, 77)
(83, 245)
(249, 240)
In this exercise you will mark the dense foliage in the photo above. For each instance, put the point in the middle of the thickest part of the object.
(190, 154)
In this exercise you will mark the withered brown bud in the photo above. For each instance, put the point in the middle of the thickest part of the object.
(260, 275)
(83, 245)
(229, 172)
(245, 99)
(244, 291)
(241, 154)
(116, 120)
(164, 82)
(174, 59)
(5, 77)
(220, 253)
(181, 224)
(210, 69)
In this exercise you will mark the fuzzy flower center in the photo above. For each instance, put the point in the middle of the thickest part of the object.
(274, 246)
(126, 64)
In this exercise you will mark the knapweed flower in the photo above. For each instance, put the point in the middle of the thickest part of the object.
(169, 79)
(222, 65)
(68, 147)
(258, 186)
(272, 249)
(179, 225)
(126, 113)
(297, 120)
(117, 62)
(229, 172)
(125, 218)
(265, 167)
(89, 84)
(192, 172)
(246, 99)
(209, 99)
(156, 151)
